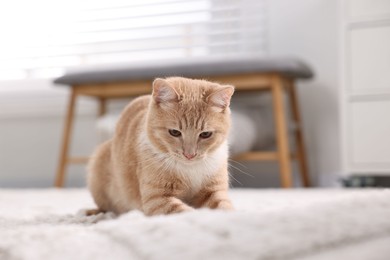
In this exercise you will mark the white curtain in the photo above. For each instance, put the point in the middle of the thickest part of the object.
(42, 38)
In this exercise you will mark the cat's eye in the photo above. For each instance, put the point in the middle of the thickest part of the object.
(205, 135)
(175, 133)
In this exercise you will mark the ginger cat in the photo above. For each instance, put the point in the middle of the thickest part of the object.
(169, 151)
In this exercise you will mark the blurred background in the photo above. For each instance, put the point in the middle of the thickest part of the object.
(344, 108)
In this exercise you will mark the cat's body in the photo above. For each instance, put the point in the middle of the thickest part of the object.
(169, 151)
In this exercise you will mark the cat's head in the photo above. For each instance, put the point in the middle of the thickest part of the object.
(189, 119)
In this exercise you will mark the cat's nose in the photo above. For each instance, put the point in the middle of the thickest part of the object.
(189, 156)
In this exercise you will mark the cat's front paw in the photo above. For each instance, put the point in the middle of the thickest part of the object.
(182, 208)
(225, 205)
(167, 209)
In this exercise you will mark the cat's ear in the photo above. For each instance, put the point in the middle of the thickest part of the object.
(163, 92)
(220, 98)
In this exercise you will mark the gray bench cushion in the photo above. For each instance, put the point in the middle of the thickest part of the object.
(195, 68)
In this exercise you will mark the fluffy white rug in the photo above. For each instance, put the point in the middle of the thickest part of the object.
(268, 224)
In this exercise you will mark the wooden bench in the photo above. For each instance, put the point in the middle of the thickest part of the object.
(246, 74)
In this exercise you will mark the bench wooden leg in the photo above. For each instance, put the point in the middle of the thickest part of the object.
(300, 145)
(66, 138)
(283, 151)
(102, 106)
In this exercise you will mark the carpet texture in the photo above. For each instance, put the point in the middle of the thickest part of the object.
(268, 224)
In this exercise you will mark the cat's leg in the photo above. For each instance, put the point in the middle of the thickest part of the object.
(91, 212)
(161, 204)
(214, 195)
(214, 199)
(98, 178)
(158, 199)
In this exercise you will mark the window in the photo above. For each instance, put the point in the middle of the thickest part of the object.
(43, 38)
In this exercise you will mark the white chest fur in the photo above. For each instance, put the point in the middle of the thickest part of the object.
(194, 174)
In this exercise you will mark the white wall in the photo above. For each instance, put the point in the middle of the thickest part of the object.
(30, 132)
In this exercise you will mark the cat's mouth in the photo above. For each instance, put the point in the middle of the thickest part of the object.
(184, 159)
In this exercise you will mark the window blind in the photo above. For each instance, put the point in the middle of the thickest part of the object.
(43, 38)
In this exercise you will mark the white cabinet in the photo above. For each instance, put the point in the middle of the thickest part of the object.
(370, 59)
(364, 8)
(369, 136)
(366, 86)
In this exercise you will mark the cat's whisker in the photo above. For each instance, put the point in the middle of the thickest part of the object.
(171, 164)
(238, 169)
(206, 163)
(154, 160)
(231, 176)
(238, 163)
(168, 164)
(209, 164)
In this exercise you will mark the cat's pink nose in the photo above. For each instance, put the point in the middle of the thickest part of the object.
(189, 156)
